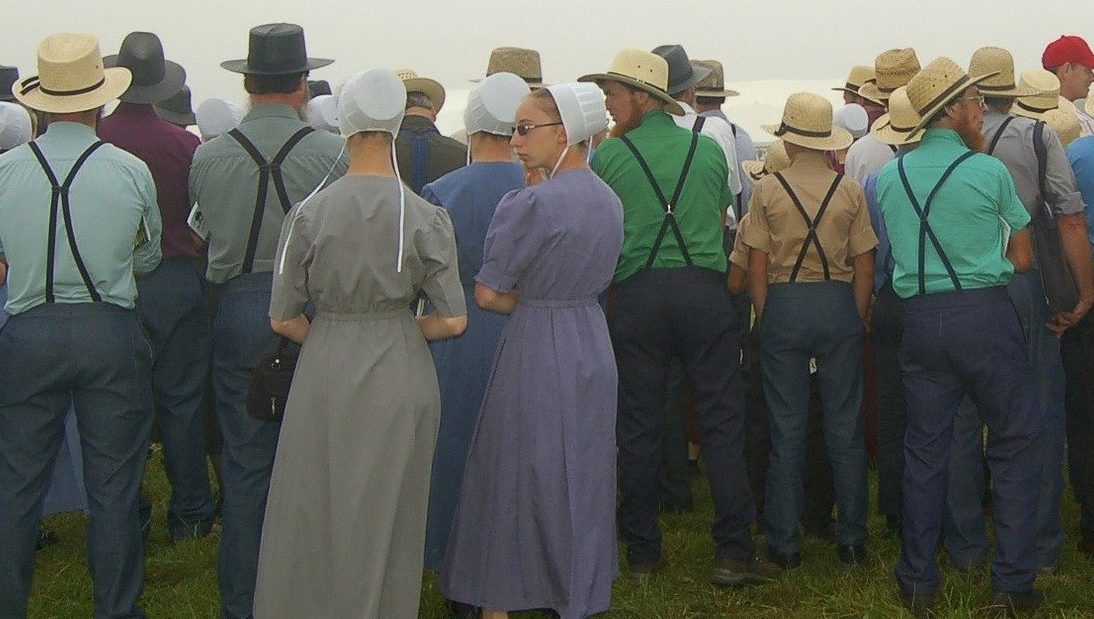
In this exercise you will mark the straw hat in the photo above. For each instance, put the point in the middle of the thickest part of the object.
(645, 71)
(714, 84)
(71, 76)
(807, 122)
(860, 76)
(896, 127)
(523, 63)
(428, 87)
(937, 85)
(893, 68)
(1043, 95)
(775, 160)
(1065, 123)
(998, 61)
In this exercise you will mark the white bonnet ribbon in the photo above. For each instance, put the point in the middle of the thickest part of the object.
(559, 162)
(292, 222)
(402, 207)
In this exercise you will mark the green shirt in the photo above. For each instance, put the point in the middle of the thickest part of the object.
(698, 211)
(971, 216)
(224, 183)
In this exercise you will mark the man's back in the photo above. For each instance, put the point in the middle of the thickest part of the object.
(443, 154)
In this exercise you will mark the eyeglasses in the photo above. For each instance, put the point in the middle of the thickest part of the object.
(978, 98)
(523, 130)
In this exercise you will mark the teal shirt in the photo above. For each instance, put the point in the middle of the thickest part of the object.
(967, 216)
(110, 195)
(702, 202)
(224, 183)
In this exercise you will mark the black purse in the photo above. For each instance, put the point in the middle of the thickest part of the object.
(1060, 289)
(270, 383)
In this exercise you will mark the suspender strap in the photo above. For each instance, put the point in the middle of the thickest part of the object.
(925, 231)
(811, 225)
(419, 156)
(998, 134)
(59, 196)
(699, 122)
(1042, 164)
(893, 148)
(266, 171)
(668, 205)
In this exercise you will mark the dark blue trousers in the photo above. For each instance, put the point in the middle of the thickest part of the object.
(959, 343)
(93, 356)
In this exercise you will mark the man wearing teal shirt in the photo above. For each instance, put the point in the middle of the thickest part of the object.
(948, 211)
(669, 299)
(77, 217)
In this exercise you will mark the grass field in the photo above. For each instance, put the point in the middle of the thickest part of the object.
(181, 579)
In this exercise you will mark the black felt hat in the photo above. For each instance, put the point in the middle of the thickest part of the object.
(682, 74)
(154, 77)
(275, 49)
(8, 77)
(177, 109)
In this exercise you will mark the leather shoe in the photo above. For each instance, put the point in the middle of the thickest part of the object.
(787, 561)
(734, 572)
(851, 554)
(1010, 603)
(642, 573)
(919, 605)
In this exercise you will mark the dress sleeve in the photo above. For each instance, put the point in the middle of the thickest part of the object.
(512, 241)
(437, 250)
(295, 252)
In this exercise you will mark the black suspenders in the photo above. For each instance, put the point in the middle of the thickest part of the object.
(667, 205)
(925, 231)
(811, 225)
(699, 122)
(999, 134)
(266, 170)
(60, 196)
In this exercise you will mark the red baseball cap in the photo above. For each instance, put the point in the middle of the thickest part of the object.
(1067, 49)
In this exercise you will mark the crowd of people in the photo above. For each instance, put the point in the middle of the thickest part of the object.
(515, 346)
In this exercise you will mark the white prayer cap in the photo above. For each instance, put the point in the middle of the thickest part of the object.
(15, 126)
(853, 118)
(492, 105)
(581, 106)
(322, 113)
(372, 100)
(216, 117)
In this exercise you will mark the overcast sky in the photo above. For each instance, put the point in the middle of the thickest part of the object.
(451, 40)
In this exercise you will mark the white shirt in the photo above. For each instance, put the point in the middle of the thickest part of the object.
(1086, 121)
(867, 156)
(720, 131)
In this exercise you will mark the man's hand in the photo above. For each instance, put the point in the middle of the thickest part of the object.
(1062, 321)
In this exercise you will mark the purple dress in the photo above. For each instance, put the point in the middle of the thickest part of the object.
(535, 525)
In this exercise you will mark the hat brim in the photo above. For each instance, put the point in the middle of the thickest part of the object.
(115, 81)
(706, 92)
(871, 92)
(174, 78)
(1008, 93)
(839, 140)
(429, 87)
(672, 106)
(698, 74)
(185, 119)
(533, 85)
(244, 67)
(926, 115)
(754, 168)
(883, 132)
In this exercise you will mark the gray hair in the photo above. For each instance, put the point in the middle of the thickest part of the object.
(418, 99)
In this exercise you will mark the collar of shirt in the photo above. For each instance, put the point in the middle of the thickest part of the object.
(715, 114)
(66, 131)
(811, 160)
(269, 110)
(687, 108)
(939, 136)
(418, 124)
(135, 110)
(657, 119)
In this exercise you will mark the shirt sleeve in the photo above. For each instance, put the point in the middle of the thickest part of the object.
(295, 252)
(729, 146)
(862, 238)
(1011, 210)
(758, 234)
(442, 271)
(739, 256)
(1060, 183)
(513, 240)
(1082, 163)
(147, 255)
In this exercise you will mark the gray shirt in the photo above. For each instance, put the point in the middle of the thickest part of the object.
(224, 183)
(1015, 149)
(115, 219)
(746, 151)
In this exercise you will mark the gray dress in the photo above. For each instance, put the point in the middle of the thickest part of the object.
(345, 521)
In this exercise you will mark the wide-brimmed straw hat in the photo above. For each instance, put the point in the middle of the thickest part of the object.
(897, 126)
(937, 85)
(807, 122)
(999, 61)
(520, 61)
(645, 71)
(276, 49)
(683, 74)
(71, 77)
(1043, 88)
(428, 87)
(1065, 123)
(860, 76)
(775, 160)
(8, 77)
(893, 68)
(154, 77)
(714, 84)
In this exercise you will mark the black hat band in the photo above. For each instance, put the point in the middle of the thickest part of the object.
(785, 128)
(34, 83)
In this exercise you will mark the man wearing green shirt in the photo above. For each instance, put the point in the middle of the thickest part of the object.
(669, 299)
(956, 227)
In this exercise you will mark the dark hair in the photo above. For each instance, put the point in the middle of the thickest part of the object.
(710, 100)
(419, 99)
(285, 84)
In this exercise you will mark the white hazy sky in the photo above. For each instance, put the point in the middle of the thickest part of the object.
(451, 40)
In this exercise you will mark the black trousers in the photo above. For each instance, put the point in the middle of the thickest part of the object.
(1077, 349)
(887, 329)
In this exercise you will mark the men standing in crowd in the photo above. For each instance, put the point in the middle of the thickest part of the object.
(942, 204)
(77, 218)
(1070, 58)
(171, 299)
(893, 69)
(710, 95)
(669, 299)
(231, 182)
(424, 154)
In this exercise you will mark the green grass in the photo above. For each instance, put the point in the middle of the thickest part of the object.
(181, 579)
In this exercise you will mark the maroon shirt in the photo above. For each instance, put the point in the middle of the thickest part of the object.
(168, 152)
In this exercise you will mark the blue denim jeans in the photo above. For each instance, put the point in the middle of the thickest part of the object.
(802, 321)
(173, 311)
(93, 356)
(241, 337)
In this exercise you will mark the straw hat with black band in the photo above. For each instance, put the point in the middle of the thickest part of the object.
(807, 122)
(645, 71)
(155, 78)
(860, 76)
(71, 77)
(893, 68)
(714, 84)
(998, 61)
(428, 87)
(522, 62)
(938, 85)
(1045, 95)
(897, 126)
(775, 160)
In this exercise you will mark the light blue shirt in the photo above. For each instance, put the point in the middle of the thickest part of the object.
(1081, 155)
(110, 196)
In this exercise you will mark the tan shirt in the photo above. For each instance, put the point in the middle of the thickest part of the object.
(739, 256)
(778, 228)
